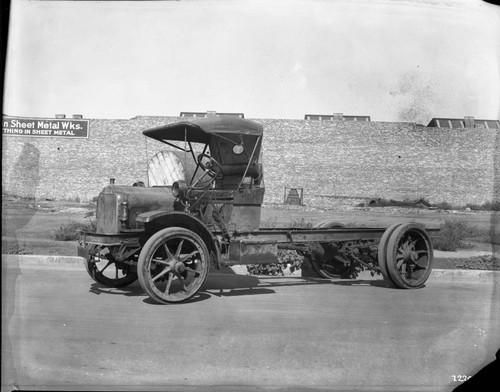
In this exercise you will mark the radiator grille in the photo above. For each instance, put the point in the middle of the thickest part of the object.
(107, 214)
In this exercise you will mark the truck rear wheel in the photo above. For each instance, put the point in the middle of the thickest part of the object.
(409, 256)
(173, 265)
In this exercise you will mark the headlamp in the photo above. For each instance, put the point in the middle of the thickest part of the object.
(179, 188)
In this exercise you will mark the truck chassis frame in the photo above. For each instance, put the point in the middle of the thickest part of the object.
(179, 258)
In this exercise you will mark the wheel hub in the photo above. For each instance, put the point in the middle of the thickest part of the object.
(409, 255)
(179, 267)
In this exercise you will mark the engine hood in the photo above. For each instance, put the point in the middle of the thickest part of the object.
(119, 205)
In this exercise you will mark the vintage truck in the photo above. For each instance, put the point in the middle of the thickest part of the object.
(169, 236)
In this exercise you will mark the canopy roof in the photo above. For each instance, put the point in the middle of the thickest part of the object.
(199, 130)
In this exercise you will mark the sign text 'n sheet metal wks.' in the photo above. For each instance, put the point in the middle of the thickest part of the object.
(22, 126)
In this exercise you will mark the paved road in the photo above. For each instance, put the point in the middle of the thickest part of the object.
(64, 331)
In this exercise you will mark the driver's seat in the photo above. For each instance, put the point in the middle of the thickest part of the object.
(233, 175)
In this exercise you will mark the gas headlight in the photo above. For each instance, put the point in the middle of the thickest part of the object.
(179, 188)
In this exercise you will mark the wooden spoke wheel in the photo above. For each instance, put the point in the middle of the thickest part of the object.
(110, 273)
(173, 265)
(409, 256)
(331, 265)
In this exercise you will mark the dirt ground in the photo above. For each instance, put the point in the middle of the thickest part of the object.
(30, 226)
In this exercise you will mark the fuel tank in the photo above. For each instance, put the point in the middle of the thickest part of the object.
(119, 205)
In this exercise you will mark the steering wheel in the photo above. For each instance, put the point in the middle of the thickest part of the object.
(212, 168)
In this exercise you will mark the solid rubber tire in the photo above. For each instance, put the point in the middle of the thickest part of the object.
(392, 248)
(382, 254)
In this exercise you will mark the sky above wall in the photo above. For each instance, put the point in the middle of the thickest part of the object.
(392, 60)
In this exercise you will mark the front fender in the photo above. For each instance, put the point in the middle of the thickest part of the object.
(149, 216)
(155, 221)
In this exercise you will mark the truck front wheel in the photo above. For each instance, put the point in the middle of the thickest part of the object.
(173, 265)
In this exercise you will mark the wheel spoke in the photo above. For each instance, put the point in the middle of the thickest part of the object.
(169, 283)
(179, 248)
(161, 261)
(106, 266)
(187, 256)
(178, 276)
(191, 270)
(181, 280)
(165, 271)
(422, 262)
(169, 255)
(411, 245)
(400, 260)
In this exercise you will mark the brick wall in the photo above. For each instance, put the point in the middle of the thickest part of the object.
(328, 159)
(378, 159)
